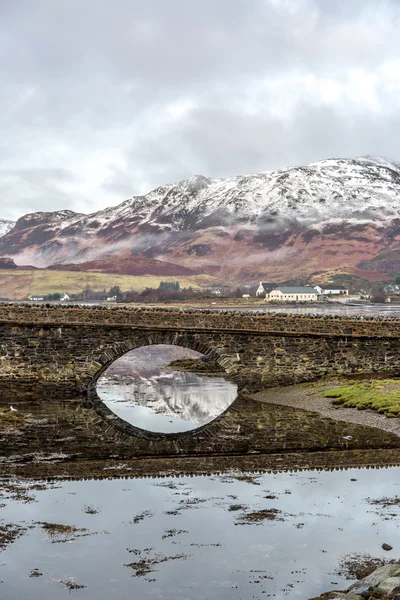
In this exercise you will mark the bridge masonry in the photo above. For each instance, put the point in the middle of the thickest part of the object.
(54, 354)
(68, 347)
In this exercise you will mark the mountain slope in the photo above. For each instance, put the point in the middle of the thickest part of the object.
(5, 226)
(336, 214)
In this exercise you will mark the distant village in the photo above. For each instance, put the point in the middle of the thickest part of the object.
(267, 292)
(276, 293)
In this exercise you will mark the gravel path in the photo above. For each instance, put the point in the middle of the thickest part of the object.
(296, 396)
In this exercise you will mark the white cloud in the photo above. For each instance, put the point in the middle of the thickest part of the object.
(126, 96)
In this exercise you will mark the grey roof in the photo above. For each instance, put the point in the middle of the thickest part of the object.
(296, 289)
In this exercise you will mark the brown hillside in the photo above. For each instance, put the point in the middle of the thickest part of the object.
(133, 265)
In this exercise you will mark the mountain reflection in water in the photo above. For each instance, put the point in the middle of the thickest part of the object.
(141, 390)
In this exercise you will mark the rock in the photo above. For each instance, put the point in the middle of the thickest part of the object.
(374, 579)
(352, 596)
(387, 547)
(388, 585)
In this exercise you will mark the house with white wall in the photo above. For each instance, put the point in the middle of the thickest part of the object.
(292, 293)
(337, 291)
(264, 288)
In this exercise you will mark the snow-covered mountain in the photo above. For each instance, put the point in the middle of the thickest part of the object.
(5, 226)
(224, 225)
(362, 189)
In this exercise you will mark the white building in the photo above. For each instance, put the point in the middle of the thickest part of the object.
(335, 292)
(331, 291)
(292, 294)
(264, 288)
(65, 298)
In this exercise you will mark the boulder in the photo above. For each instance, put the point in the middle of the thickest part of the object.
(388, 585)
(375, 578)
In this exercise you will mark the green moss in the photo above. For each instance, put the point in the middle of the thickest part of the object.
(382, 396)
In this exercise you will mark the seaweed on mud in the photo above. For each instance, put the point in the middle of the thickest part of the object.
(190, 502)
(247, 478)
(384, 502)
(171, 485)
(359, 565)
(138, 551)
(11, 489)
(236, 507)
(259, 516)
(71, 584)
(172, 533)
(58, 532)
(16, 491)
(141, 516)
(147, 564)
(9, 532)
(90, 510)
(199, 545)
(10, 418)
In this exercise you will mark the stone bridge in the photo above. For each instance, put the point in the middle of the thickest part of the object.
(70, 346)
(62, 350)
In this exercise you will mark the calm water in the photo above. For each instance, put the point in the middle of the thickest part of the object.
(331, 308)
(189, 537)
(140, 389)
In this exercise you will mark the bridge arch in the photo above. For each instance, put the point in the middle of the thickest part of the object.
(116, 350)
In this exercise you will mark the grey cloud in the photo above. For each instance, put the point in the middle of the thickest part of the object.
(87, 89)
(37, 190)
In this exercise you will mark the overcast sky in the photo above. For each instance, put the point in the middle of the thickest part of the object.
(105, 99)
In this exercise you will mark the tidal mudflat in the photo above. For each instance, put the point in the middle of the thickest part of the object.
(234, 536)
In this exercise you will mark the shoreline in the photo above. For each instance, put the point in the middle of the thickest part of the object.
(309, 396)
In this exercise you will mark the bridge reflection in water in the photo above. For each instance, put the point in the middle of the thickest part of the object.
(56, 355)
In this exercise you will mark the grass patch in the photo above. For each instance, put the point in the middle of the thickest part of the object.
(20, 284)
(382, 396)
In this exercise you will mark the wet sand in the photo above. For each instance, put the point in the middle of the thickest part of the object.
(309, 396)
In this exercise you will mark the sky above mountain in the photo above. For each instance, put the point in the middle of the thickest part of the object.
(104, 100)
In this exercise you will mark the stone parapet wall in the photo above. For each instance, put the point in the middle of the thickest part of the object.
(70, 346)
(201, 320)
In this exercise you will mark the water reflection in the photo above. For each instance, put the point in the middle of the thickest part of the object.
(182, 538)
(335, 308)
(142, 391)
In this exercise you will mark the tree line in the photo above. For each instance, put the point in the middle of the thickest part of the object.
(166, 291)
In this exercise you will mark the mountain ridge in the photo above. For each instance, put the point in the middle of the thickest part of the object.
(243, 226)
